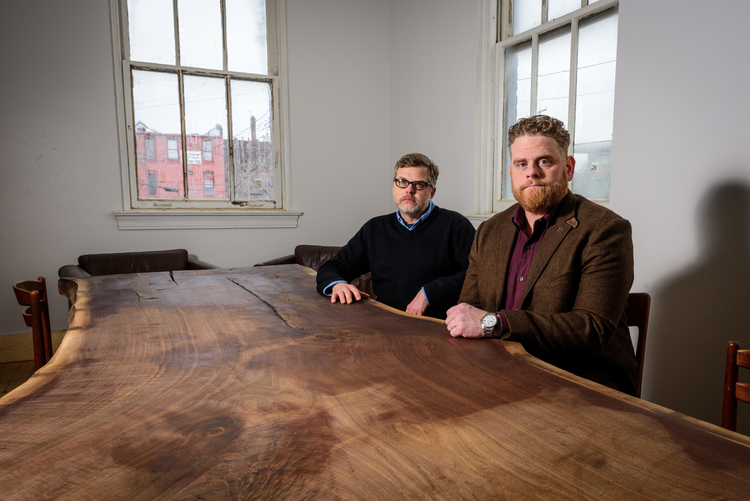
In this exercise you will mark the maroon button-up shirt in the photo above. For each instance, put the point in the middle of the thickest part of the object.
(524, 251)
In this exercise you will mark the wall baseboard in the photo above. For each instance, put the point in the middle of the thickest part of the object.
(20, 347)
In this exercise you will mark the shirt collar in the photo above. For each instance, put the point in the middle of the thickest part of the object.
(519, 217)
(424, 216)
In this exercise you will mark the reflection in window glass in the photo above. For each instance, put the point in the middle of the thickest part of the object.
(200, 34)
(151, 27)
(247, 50)
(156, 112)
(253, 140)
(518, 92)
(553, 81)
(558, 8)
(526, 15)
(595, 97)
(206, 120)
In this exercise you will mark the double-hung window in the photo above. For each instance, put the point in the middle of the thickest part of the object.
(202, 100)
(551, 57)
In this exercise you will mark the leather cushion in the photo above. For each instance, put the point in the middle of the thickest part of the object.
(314, 256)
(134, 262)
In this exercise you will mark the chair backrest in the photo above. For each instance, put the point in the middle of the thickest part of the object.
(734, 390)
(639, 306)
(134, 262)
(33, 294)
(314, 256)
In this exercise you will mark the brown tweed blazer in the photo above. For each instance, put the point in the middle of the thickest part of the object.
(573, 306)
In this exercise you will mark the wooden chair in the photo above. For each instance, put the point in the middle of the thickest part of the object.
(733, 389)
(33, 294)
(639, 306)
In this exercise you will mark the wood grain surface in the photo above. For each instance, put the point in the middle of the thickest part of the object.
(246, 384)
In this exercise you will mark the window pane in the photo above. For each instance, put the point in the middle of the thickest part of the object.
(247, 49)
(553, 81)
(156, 113)
(558, 8)
(151, 27)
(253, 147)
(206, 120)
(595, 98)
(200, 34)
(526, 15)
(518, 100)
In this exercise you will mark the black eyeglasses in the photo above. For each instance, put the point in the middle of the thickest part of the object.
(418, 185)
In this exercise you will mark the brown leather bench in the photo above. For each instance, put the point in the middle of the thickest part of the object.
(313, 256)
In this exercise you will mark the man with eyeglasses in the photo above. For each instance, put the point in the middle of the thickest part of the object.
(554, 271)
(417, 256)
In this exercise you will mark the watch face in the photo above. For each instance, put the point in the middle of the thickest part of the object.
(489, 320)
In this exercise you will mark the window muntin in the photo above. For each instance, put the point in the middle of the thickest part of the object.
(542, 65)
(186, 108)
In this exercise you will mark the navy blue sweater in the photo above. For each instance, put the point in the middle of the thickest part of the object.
(434, 255)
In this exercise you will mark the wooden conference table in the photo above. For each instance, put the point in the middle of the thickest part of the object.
(246, 384)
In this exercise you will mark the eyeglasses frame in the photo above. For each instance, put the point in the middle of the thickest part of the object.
(413, 183)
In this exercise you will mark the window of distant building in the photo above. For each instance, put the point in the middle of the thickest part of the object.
(172, 152)
(552, 57)
(200, 81)
(149, 148)
(208, 183)
(208, 151)
(152, 183)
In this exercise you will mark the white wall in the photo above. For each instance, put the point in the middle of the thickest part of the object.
(432, 88)
(371, 80)
(682, 176)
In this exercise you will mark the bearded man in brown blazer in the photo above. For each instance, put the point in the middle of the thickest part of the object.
(554, 271)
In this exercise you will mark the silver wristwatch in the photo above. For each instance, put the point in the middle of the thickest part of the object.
(488, 322)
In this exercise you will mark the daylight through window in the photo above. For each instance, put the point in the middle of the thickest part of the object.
(201, 97)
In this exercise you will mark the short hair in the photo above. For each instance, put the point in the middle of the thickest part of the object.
(419, 160)
(541, 125)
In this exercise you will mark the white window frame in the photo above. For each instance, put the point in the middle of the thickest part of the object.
(204, 214)
(490, 100)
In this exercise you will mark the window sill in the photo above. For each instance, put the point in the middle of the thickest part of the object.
(477, 219)
(204, 220)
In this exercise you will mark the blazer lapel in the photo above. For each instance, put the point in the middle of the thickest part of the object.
(563, 223)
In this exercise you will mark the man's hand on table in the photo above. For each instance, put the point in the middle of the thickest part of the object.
(418, 305)
(464, 320)
(346, 293)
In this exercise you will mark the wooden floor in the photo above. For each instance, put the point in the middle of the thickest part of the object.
(13, 374)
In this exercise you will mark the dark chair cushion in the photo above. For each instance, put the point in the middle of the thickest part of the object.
(134, 262)
(314, 256)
